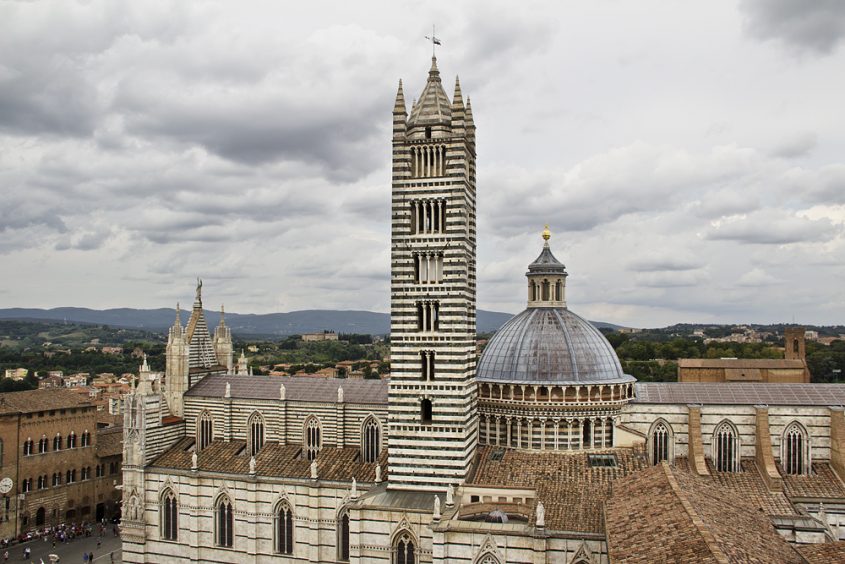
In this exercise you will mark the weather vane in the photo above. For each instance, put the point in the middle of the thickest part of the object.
(433, 39)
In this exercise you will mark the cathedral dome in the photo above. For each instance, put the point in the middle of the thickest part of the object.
(547, 343)
(550, 345)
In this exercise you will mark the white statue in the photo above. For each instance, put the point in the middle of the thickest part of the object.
(252, 465)
(228, 393)
(436, 507)
(282, 392)
(194, 461)
(354, 493)
(378, 473)
(541, 514)
(450, 496)
(340, 394)
(313, 469)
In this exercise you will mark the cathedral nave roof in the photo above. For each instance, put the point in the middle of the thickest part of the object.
(739, 393)
(274, 460)
(368, 392)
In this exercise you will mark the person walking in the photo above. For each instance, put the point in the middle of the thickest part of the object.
(85, 557)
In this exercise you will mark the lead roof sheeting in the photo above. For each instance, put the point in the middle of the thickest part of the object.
(549, 345)
(372, 392)
(722, 393)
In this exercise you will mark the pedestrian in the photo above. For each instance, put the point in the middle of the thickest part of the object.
(90, 556)
(85, 557)
(111, 557)
(6, 556)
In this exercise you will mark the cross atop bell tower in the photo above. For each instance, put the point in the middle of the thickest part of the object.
(432, 395)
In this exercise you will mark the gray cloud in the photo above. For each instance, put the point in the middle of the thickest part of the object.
(146, 144)
(817, 26)
(771, 227)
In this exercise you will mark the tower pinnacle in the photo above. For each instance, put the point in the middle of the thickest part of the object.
(547, 234)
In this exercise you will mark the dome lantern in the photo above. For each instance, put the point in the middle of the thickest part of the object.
(546, 278)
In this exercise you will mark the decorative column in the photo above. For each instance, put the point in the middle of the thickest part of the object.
(530, 434)
(557, 434)
(508, 427)
(519, 433)
(498, 432)
(543, 433)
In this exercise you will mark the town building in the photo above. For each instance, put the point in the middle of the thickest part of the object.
(540, 450)
(791, 369)
(56, 464)
(322, 336)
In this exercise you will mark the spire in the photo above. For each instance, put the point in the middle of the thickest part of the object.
(399, 106)
(178, 321)
(433, 72)
(198, 298)
(469, 113)
(222, 316)
(457, 99)
(547, 235)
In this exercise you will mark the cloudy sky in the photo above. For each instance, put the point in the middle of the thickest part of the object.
(689, 157)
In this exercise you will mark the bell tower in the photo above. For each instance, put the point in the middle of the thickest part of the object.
(432, 392)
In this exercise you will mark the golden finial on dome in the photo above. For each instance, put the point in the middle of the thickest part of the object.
(546, 233)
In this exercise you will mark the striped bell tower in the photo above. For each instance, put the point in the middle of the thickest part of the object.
(432, 393)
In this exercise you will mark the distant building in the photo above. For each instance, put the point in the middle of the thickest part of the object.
(78, 379)
(51, 381)
(112, 350)
(324, 336)
(791, 369)
(16, 373)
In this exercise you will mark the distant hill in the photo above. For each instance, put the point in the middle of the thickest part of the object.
(291, 323)
(268, 324)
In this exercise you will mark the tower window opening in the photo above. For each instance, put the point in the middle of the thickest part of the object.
(427, 365)
(428, 132)
(312, 437)
(426, 411)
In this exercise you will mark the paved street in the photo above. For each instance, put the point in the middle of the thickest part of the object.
(71, 552)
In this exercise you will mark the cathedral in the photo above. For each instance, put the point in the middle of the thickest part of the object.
(541, 450)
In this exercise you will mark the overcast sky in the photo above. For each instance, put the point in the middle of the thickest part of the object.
(688, 156)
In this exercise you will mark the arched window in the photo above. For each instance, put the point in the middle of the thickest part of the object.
(40, 516)
(426, 411)
(86, 438)
(43, 444)
(71, 440)
(405, 550)
(370, 440)
(57, 442)
(312, 437)
(205, 430)
(57, 479)
(795, 346)
(284, 528)
(343, 537)
(27, 447)
(660, 439)
(725, 448)
(224, 522)
(545, 290)
(169, 516)
(795, 450)
(558, 291)
(256, 433)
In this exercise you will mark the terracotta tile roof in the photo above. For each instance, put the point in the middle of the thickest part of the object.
(336, 464)
(372, 392)
(740, 393)
(748, 485)
(822, 483)
(106, 419)
(44, 399)
(824, 553)
(770, 363)
(668, 515)
(572, 492)
(110, 442)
